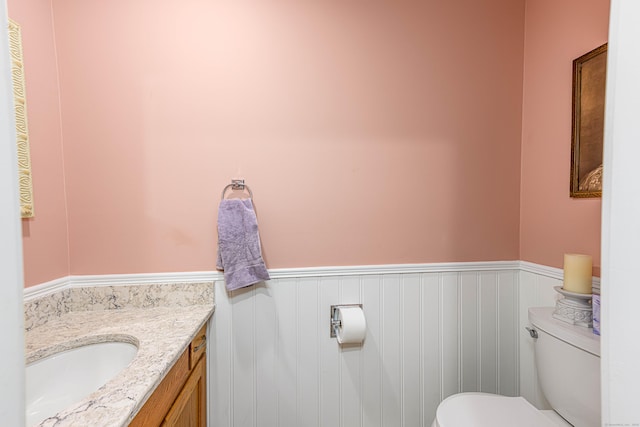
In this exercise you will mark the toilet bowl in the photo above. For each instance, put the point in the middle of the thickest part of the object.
(568, 362)
(486, 409)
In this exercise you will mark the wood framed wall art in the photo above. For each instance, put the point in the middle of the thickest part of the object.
(587, 136)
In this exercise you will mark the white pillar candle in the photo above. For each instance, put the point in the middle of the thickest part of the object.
(577, 273)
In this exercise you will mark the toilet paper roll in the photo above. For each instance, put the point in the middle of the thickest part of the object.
(353, 326)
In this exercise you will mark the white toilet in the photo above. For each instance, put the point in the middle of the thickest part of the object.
(567, 358)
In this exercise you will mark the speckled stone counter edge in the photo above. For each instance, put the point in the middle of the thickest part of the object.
(39, 311)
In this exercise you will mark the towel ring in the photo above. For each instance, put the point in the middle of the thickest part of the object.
(237, 184)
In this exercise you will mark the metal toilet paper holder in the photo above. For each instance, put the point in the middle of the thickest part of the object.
(334, 322)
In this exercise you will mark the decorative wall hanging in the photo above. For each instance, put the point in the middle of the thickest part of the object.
(587, 137)
(22, 130)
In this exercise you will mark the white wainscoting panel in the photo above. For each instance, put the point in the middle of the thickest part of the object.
(429, 335)
(432, 330)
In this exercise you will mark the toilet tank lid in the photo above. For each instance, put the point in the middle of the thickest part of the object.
(490, 410)
(578, 336)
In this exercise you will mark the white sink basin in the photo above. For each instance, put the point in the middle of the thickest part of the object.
(55, 382)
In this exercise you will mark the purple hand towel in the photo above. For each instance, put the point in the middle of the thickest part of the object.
(239, 253)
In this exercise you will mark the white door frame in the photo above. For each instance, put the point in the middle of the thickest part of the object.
(11, 275)
(620, 345)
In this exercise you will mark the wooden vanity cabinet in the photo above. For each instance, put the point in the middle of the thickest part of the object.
(189, 409)
(181, 398)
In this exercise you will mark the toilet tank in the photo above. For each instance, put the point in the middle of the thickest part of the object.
(568, 363)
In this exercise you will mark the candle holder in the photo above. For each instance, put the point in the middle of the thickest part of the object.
(574, 308)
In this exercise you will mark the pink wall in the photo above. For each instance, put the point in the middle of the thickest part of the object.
(385, 133)
(45, 241)
(551, 223)
(370, 135)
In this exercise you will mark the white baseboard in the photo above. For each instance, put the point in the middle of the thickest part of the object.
(46, 288)
(75, 281)
(543, 270)
(553, 272)
(283, 273)
(144, 278)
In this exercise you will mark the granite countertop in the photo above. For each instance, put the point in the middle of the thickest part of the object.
(162, 330)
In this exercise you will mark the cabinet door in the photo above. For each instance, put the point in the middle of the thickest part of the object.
(189, 409)
(154, 411)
